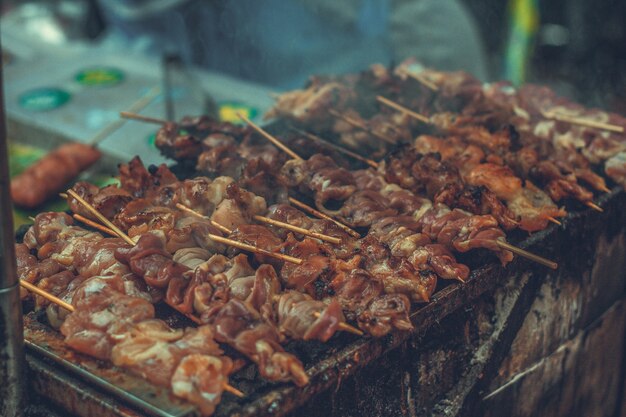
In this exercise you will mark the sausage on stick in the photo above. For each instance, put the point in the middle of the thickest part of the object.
(46, 177)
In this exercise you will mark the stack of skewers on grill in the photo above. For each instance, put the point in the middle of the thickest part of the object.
(344, 221)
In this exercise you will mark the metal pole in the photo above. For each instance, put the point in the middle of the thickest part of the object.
(168, 61)
(11, 330)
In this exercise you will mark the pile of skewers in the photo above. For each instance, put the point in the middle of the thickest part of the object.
(296, 237)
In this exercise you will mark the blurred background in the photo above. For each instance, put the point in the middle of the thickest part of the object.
(577, 47)
(70, 66)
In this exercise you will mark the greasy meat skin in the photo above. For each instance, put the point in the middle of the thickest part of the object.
(139, 182)
(402, 234)
(30, 269)
(264, 292)
(288, 214)
(148, 351)
(477, 200)
(153, 350)
(311, 275)
(386, 313)
(141, 212)
(46, 228)
(322, 176)
(200, 379)
(297, 319)
(70, 248)
(221, 160)
(570, 146)
(149, 260)
(363, 207)
(53, 284)
(101, 318)
(433, 173)
(241, 327)
(191, 257)
(259, 177)
(462, 232)
(183, 140)
(177, 289)
(443, 183)
(499, 179)
(354, 288)
(108, 200)
(192, 233)
(259, 236)
(397, 274)
(174, 145)
(347, 281)
(490, 183)
(298, 172)
(474, 196)
(310, 105)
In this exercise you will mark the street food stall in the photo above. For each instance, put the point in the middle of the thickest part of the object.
(398, 239)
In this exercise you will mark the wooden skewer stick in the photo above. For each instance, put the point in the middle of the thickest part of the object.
(269, 137)
(403, 109)
(594, 206)
(553, 220)
(302, 231)
(422, 80)
(186, 209)
(229, 388)
(342, 326)
(321, 215)
(142, 118)
(93, 224)
(254, 249)
(521, 252)
(241, 245)
(359, 125)
(55, 300)
(331, 145)
(100, 217)
(137, 106)
(604, 188)
(582, 121)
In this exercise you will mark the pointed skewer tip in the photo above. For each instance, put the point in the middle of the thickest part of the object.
(525, 254)
(342, 326)
(50, 297)
(594, 206)
(555, 221)
(229, 388)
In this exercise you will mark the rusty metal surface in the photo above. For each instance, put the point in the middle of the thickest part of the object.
(460, 348)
